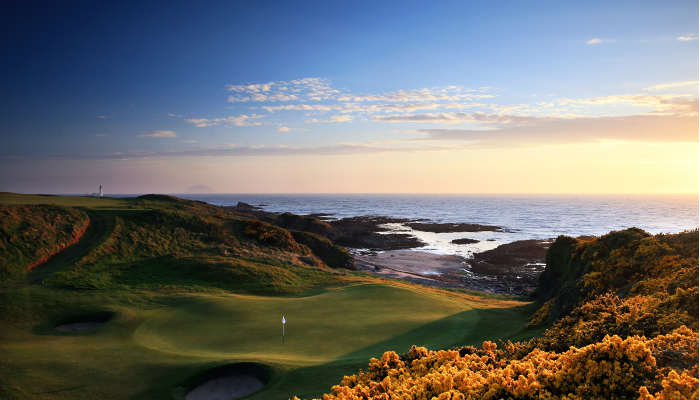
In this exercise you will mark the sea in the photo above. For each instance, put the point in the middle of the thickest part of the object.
(522, 216)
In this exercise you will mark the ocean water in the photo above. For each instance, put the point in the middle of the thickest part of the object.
(522, 216)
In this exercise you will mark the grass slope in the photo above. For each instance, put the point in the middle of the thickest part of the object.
(30, 235)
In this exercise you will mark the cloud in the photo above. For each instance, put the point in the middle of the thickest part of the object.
(284, 129)
(596, 41)
(670, 85)
(315, 89)
(662, 104)
(486, 120)
(102, 135)
(688, 37)
(258, 151)
(636, 128)
(318, 89)
(189, 141)
(159, 134)
(369, 108)
(175, 115)
(402, 96)
(302, 107)
(335, 118)
(242, 120)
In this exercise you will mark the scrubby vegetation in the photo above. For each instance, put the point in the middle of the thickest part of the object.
(629, 302)
(303, 223)
(31, 234)
(176, 244)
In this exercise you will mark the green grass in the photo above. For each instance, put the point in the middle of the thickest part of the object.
(157, 343)
(336, 325)
(71, 201)
(190, 291)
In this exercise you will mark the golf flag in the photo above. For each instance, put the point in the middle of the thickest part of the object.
(283, 321)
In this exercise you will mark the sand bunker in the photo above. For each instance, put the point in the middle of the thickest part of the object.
(85, 322)
(229, 382)
(232, 387)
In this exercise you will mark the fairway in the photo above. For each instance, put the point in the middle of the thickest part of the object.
(71, 201)
(353, 323)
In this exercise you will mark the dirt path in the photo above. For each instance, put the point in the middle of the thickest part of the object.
(96, 233)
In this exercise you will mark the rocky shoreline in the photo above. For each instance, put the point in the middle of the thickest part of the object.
(511, 268)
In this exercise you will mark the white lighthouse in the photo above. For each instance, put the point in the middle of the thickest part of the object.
(100, 190)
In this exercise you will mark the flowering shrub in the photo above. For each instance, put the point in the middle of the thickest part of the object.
(633, 334)
(610, 369)
(627, 263)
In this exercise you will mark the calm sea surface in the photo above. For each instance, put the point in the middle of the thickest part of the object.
(523, 216)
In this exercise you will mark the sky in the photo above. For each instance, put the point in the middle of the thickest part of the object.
(349, 96)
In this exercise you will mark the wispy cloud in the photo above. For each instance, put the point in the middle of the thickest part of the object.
(318, 89)
(314, 89)
(662, 104)
(102, 134)
(688, 37)
(367, 108)
(636, 128)
(175, 115)
(103, 116)
(403, 96)
(189, 141)
(334, 118)
(596, 41)
(241, 120)
(486, 120)
(259, 151)
(670, 85)
(303, 107)
(158, 134)
(287, 129)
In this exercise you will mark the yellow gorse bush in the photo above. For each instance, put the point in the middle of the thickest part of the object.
(611, 369)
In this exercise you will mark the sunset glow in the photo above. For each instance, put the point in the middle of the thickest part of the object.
(457, 97)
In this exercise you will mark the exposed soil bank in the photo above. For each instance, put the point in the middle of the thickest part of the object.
(61, 247)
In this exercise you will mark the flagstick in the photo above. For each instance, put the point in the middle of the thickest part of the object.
(282, 334)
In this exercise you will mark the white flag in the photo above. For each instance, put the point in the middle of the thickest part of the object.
(283, 321)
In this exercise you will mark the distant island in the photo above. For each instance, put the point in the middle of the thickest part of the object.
(200, 189)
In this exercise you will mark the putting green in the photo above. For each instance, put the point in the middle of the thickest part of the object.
(353, 323)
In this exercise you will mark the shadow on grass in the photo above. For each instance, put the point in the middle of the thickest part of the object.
(67, 389)
(470, 327)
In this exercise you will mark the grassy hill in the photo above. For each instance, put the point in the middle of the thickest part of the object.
(191, 286)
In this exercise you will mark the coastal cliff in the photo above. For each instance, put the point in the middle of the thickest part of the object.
(625, 263)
